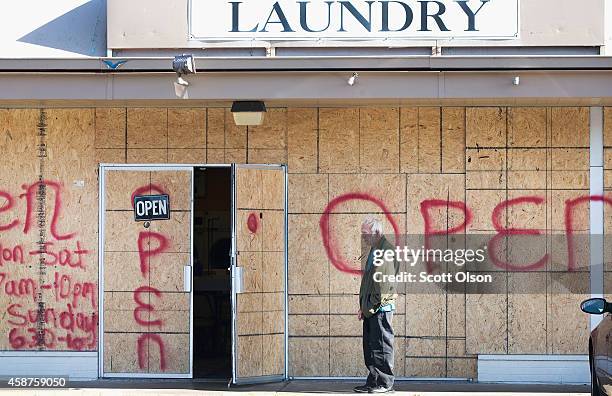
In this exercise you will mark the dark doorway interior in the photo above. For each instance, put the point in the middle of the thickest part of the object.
(212, 338)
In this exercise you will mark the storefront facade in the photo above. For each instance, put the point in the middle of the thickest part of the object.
(518, 142)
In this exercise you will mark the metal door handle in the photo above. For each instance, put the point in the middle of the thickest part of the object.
(237, 280)
(187, 278)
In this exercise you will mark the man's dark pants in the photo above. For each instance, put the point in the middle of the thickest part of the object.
(378, 349)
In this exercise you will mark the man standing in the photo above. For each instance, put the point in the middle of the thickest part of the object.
(376, 305)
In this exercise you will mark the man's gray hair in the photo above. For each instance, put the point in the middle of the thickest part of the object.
(374, 224)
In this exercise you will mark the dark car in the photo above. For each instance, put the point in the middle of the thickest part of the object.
(599, 346)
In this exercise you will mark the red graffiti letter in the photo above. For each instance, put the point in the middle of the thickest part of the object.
(143, 350)
(329, 243)
(30, 196)
(144, 249)
(430, 231)
(503, 231)
(7, 206)
(142, 306)
(570, 204)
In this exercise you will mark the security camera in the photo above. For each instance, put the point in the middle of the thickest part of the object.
(183, 64)
(353, 79)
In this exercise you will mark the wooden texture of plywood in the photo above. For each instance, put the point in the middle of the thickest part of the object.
(430, 135)
(147, 128)
(570, 126)
(302, 139)
(187, 128)
(379, 140)
(409, 139)
(110, 128)
(527, 127)
(453, 139)
(272, 134)
(339, 140)
(308, 193)
(485, 127)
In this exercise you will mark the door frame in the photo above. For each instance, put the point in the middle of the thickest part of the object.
(101, 230)
(266, 378)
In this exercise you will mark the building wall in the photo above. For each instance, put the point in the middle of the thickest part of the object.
(398, 157)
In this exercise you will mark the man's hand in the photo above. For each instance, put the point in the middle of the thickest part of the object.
(359, 314)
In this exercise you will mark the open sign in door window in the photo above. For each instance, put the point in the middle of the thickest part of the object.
(151, 207)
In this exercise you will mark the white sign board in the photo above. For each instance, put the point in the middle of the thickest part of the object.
(353, 19)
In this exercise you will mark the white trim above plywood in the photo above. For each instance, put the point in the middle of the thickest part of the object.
(534, 369)
(75, 365)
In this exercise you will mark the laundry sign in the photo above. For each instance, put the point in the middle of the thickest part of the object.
(353, 19)
(151, 207)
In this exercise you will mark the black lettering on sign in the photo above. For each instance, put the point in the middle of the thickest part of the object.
(151, 207)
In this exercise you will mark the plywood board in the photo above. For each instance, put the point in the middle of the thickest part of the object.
(485, 127)
(409, 139)
(266, 156)
(308, 304)
(526, 324)
(215, 133)
(570, 126)
(309, 325)
(177, 184)
(274, 270)
(147, 128)
(379, 140)
(426, 367)
(121, 354)
(122, 271)
(570, 159)
(308, 193)
(302, 136)
(453, 139)
(486, 323)
(421, 188)
(342, 351)
(187, 128)
(462, 368)
(432, 315)
(110, 156)
(527, 126)
(186, 156)
(369, 190)
(166, 271)
(430, 155)
(308, 265)
(313, 360)
(176, 354)
(607, 124)
(235, 136)
(235, 156)
(110, 127)
(273, 354)
(250, 356)
(147, 156)
(272, 134)
(425, 347)
(339, 140)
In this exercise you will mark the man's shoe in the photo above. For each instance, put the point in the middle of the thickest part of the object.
(381, 389)
(362, 389)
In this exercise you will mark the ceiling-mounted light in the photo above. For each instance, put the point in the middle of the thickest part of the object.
(353, 79)
(248, 112)
(182, 64)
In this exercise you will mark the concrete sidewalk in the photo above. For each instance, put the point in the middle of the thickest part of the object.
(296, 387)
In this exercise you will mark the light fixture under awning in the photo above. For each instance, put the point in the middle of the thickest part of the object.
(248, 112)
